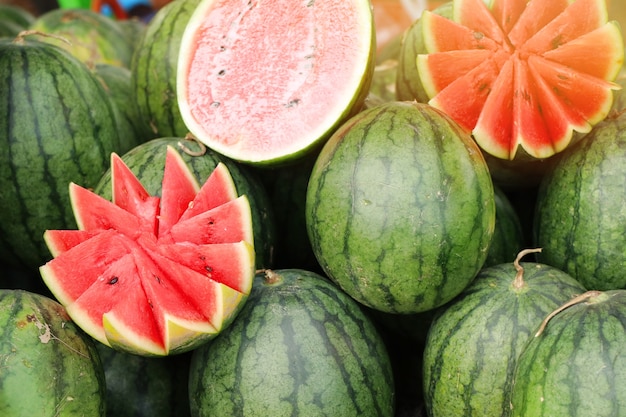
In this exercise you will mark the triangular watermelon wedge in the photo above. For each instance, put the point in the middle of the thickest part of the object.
(151, 284)
(549, 64)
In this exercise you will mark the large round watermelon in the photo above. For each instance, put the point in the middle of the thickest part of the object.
(57, 125)
(48, 367)
(580, 218)
(400, 208)
(300, 347)
(576, 365)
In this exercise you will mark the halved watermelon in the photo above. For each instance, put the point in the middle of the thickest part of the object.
(154, 275)
(522, 73)
(264, 82)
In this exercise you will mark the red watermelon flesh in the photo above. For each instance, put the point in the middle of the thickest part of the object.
(522, 73)
(266, 81)
(151, 284)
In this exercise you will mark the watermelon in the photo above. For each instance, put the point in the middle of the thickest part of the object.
(580, 218)
(508, 236)
(575, 364)
(14, 19)
(518, 74)
(49, 366)
(153, 70)
(154, 275)
(148, 159)
(400, 208)
(90, 36)
(266, 87)
(117, 83)
(474, 342)
(300, 346)
(140, 386)
(57, 125)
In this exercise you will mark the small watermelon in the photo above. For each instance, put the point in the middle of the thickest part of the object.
(154, 275)
(521, 74)
(48, 366)
(575, 365)
(267, 82)
(300, 347)
(474, 342)
(400, 208)
(90, 36)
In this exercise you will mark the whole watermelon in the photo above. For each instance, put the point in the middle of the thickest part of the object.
(48, 367)
(474, 342)
(154, 67)
(57, 126)
(576, 365)
(299, 347)
(580, 217)
(400, 208)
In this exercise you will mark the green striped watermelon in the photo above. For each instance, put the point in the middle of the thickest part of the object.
(300, 346)
(508, 236)
(474, 342)
(154, 68)
(148, 159)
(48, 366)
(57, 125)
(14, 19)
(575, 366)
(154, 275)
(400, 208)
(90, 36)
(580, 218)
(139, 386)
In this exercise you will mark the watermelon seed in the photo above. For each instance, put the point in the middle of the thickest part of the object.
(113, 280)
(221, 73)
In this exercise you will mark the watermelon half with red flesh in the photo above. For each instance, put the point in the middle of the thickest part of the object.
(522, 73)
(154, 275)
(266, 81)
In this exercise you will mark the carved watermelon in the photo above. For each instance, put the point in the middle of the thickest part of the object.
(150, 275)
(522, 74)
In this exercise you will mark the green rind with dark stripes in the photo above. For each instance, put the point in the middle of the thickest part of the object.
(299, 347)
(473, 343)
(580, 217)
(408, 84)
(154, 67)
(140, 386)
(577, 366)
(56, 126)
(148, 160)
(508, 236)
(400, 208)
(48, 367)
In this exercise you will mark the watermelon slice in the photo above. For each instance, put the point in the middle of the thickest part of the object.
(154, 275)
(264, 82)
(522, 73)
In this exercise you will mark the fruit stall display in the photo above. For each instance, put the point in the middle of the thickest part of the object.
(391, 208)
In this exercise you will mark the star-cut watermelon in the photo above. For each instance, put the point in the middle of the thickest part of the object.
(154, 275)
(522, 73)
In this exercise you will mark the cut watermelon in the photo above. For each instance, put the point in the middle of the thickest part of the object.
(154, 275)
(264, 82)
(522, 73)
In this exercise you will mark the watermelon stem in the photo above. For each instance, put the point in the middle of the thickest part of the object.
(519, 283)
(576, 300)
(188, 151)
(271, 277)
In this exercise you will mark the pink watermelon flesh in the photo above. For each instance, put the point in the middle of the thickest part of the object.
(547, 64)
(263, 81)
(134, 289)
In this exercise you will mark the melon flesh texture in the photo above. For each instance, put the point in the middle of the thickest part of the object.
(263, 82)
(522, 74)
(151, 287)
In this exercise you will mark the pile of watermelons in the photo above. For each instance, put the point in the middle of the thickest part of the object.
(438, 224)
